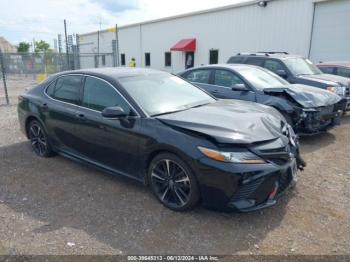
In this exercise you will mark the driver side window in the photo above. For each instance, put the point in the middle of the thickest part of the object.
(98, 95)
(273, 65)
(227, 79)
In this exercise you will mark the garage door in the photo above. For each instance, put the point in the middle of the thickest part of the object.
(331, 31)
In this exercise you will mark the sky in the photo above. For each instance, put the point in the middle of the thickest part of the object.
(22, 20)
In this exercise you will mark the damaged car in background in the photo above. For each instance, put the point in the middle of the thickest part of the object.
(166, 133)
(307, 109)
(298, 70)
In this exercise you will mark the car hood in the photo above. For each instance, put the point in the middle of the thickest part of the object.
(328, 79)
(230, 121)
(307, 96)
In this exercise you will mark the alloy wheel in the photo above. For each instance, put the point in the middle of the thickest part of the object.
(171, 183)
(38, 139)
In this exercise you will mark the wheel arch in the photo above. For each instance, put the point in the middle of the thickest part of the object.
(31, 118)
(164, 150)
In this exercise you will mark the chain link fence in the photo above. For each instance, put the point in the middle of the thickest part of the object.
(21, 70)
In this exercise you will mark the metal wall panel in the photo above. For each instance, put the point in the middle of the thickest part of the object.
(331, 32)
(284, 25)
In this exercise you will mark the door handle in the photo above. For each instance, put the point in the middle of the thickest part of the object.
(44, 105)
(215, 91)
(79, 115)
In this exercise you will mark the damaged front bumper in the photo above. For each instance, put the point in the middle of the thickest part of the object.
(319, 120)
(249, 187)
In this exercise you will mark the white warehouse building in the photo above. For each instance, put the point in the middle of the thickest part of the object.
(318, 29)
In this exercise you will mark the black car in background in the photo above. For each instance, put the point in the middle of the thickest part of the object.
(297, 70)
(308, 109)
(166, 133)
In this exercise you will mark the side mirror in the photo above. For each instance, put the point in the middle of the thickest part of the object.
(282, 73)
(239, 87)
(113, 112)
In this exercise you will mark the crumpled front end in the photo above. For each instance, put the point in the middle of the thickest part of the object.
(318, 120)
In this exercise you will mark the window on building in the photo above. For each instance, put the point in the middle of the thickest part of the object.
(343, 71)
(167, 57)
(226, 79)
(122, 59)
(96, 60)
(67, 89)
(273, 65)
(98, 95)
(199, 76)
(147, 59)
(213, 56)
(103, 60)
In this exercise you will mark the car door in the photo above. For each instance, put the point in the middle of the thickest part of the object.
(201, 78)
(229, 85)
(60, 112)
(111, 143)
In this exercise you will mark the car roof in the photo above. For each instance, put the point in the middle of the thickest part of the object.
(226, 66)
(336, 63)
(279, 55)
(114, 72)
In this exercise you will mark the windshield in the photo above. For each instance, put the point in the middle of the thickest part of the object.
(164, 93)
(301, 66)
(260, 78)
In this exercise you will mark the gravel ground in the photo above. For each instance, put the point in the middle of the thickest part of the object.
(57, 206)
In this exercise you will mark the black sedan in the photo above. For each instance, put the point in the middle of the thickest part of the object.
(308, 109)
(166, 133)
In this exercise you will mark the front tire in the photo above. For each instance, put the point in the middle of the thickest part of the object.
(39, 139)
(173, 182)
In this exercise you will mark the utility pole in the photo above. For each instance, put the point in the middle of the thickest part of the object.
(67, 51)
(98, 49)
(2, 64)
(117, 44)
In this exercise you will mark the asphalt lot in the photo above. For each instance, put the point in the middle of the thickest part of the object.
(56, 206)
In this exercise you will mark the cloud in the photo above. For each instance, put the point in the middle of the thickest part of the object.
(43, 19)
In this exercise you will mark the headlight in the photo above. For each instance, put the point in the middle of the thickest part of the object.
(245, 157)
(339, 90)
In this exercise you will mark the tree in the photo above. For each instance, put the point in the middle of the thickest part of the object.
(42, 46)
(23, 47)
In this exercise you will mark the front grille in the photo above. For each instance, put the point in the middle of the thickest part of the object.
(246, 190)
(278, 156)
(284, 181)
(327, 110)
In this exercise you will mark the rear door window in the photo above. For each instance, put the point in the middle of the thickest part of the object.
(199, 76)
(255, 61)
(343, 71)
(327, 70)
(66, 89)
(235, 60)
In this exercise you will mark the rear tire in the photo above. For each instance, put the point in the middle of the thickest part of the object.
(173, 182)
(39, 140)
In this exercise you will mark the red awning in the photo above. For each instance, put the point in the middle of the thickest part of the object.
(185, 45)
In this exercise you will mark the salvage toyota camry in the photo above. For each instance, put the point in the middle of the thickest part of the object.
(167, 133)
